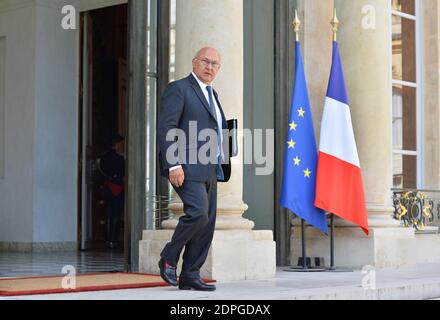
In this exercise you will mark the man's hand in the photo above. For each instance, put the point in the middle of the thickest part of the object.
(177, 177)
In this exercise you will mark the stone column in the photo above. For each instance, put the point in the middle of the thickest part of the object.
(237, 252)
(218, 24)
(315, 35)
(367, 52)
(365, 48)
(431, 88)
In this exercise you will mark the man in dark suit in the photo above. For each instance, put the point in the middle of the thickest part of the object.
(191, 105)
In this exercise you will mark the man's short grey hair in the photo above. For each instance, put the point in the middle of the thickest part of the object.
(206, 48)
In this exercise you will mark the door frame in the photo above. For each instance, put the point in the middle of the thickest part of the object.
(139, 214)
(135, 200)
(85, 123)
(136, 209)
(86, 163)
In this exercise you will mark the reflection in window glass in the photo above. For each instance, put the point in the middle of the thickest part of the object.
(2, 104)
(151, 105)
(173, 41)
(405, 6)
(404, 49)
(152, 37)
(404, 171)
(151, 141)
(404, 118)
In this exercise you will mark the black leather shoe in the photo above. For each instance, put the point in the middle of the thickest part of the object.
(168, 273)
(195, 284)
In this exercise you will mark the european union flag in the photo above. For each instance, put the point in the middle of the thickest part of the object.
(301, 156)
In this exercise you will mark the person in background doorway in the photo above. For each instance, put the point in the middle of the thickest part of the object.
(112, 165)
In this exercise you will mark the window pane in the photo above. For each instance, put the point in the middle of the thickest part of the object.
(150, 140)
(405, 6)
(173, 5)
(152, 37)
(404, 118)
(404, 171)
(404, 49)
(2, 104)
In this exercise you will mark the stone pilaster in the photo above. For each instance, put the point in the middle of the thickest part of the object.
(366, 56)
(198, 27)
(237, 252)
(431, 90)
(367, 52)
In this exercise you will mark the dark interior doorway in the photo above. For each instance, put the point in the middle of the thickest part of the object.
(103, 125)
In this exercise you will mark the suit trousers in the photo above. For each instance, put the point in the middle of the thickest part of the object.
(195, 229)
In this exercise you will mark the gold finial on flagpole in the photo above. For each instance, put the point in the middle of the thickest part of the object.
(335, 26)
(296, 25)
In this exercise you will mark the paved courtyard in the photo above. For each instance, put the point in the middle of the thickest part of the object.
(417, 282)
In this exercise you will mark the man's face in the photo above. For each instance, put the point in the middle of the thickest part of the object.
(206, 65)
(120, 147)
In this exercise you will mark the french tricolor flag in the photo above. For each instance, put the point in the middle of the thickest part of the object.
(339, 186)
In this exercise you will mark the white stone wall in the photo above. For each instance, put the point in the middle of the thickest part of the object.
(56, 129)
(17, 25)
(38, 186)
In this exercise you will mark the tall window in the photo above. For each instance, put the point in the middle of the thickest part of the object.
(2, 104)
(406, 95)
(152, 77)
(173, 8)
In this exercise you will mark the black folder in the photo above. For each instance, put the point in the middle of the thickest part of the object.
(233, 137)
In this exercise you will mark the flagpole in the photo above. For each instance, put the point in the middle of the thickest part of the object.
(335, 27)
(296, 25)
(304, 266)
(303, 242)
(332, 242)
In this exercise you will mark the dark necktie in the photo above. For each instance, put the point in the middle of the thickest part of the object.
(219, 169)
(211, 101)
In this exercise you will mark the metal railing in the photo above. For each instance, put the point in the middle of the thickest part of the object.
(417, 208)
(158, 208)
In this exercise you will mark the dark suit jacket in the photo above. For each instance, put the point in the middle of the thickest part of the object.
(182, 102)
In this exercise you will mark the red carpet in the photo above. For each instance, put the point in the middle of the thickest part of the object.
(84, 282)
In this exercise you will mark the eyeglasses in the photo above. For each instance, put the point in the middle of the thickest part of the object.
(207, 62)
